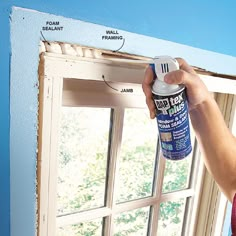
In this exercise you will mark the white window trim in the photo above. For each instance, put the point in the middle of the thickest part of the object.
(55, 68)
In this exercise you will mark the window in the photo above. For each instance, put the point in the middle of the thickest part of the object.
(100, 169)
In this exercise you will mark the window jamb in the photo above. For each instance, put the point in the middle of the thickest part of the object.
(60, 76)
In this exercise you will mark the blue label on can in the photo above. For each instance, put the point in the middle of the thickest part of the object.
(173, 125)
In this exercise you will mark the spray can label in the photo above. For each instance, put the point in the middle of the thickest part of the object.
(173, 124)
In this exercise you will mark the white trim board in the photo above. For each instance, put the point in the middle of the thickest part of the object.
(74, 67)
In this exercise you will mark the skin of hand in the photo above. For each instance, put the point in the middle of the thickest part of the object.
(217, 144)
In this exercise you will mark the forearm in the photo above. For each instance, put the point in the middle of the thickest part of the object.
(217, 144)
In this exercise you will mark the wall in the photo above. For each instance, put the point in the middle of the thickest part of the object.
(19, 155)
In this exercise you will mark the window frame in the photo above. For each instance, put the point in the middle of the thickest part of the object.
(53, 69)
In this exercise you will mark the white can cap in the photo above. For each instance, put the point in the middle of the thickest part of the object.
(164, 65)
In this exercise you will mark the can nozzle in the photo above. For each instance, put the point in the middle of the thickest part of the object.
(163, 65)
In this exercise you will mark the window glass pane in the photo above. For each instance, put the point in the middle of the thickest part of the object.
(84, 134)
(137, 157)
(171, 217)
(132, 223)
(176, 175)
(90, 228)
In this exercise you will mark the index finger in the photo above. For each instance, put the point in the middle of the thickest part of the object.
(146, 85)
(185, 66)
(147, 82)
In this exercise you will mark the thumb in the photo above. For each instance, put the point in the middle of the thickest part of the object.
(180, 77)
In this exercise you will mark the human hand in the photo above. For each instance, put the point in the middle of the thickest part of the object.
(196, 90)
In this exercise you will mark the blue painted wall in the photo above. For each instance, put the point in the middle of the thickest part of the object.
(205, 25)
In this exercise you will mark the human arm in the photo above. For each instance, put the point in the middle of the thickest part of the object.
(217, 144)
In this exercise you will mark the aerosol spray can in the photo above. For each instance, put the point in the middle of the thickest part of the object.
(172, 111)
